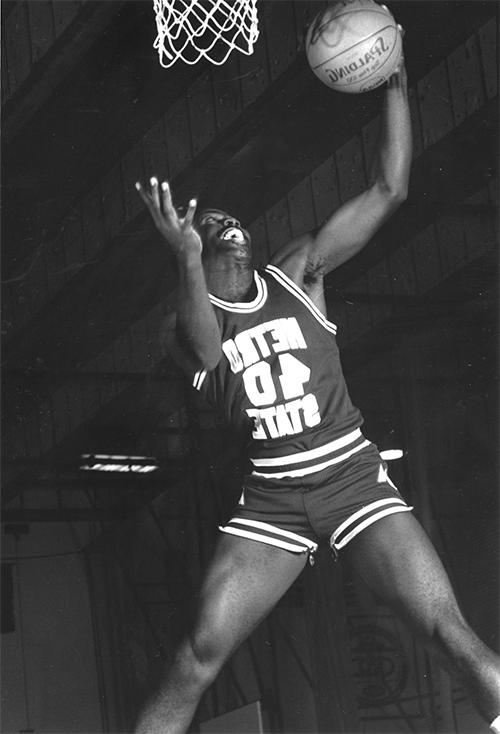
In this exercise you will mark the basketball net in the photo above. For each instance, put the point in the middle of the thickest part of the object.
(190, 29)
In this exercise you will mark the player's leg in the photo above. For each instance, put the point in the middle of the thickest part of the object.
(397, 560)
(244, 581)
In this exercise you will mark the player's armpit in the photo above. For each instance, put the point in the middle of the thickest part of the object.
(308, 258)
(293, 258)
(311, 256)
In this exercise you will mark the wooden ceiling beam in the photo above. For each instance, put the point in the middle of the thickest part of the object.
(55, 38)
(120, 222)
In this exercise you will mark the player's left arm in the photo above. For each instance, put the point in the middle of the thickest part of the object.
(351, 226)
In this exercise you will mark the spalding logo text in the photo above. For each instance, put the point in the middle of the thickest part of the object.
(378, 49)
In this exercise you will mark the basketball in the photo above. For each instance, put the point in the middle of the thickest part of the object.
(354, 45)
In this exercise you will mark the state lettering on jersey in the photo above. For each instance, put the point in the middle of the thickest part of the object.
(247, 353)
(285, 419)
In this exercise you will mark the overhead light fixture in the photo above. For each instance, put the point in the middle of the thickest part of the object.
(392, 454)
(118, 463)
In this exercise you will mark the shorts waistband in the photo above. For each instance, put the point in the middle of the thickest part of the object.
(307, 462)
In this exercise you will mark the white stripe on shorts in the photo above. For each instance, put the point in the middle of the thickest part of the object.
(273, 529)
(264, 532)
(263, 539)
(311, 469)
(303, 456)
(396, 505)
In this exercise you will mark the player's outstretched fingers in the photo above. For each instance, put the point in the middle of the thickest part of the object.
(153, 209)
(143, 194)
(166, 200)
(188, 219)
(152, 200)
(155, 193)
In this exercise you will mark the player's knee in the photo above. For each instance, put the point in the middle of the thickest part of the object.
(206, 656)
(446, 626)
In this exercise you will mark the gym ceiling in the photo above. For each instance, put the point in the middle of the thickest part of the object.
(87, 111)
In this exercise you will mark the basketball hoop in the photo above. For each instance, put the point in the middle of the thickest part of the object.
(190, 29)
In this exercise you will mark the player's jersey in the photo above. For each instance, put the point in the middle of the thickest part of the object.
(280, 377)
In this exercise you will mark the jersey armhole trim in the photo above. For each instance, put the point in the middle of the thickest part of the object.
(294, 289)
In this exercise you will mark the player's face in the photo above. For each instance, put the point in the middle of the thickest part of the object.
(220, 231)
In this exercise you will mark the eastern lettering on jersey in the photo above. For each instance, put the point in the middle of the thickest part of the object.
(247, 353)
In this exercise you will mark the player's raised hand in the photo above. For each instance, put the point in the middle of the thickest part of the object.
(398, 78)
(178, 231)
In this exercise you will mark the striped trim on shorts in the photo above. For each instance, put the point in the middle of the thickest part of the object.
(365, 517)
(269, 534)
(307, 462)
(333, 505)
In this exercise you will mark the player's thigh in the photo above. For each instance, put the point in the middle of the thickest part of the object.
(398, 561)
(244, 581)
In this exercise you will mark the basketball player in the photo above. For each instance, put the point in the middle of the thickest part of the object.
(259, 346)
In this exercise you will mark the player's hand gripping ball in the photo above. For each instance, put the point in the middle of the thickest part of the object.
(354, 45)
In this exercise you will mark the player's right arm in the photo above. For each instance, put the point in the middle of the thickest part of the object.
(348, 229)
(193, 336)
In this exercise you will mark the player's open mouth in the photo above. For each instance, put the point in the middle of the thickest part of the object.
(234, 234)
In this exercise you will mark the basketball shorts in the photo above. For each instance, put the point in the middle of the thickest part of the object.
(335, 504)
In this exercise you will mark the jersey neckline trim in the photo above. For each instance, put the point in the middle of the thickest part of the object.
(244, 307)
